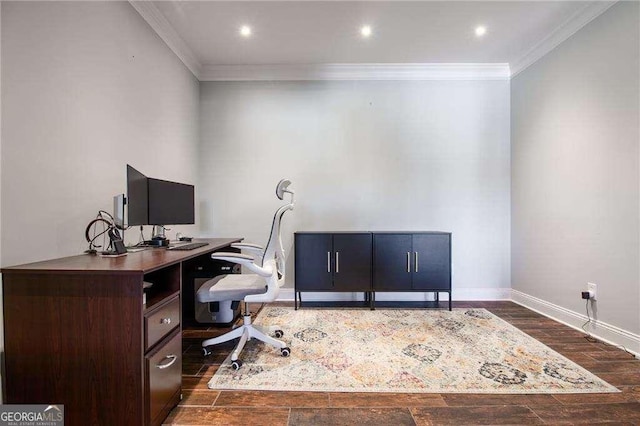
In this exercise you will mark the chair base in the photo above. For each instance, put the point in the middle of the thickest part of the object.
(246, 332)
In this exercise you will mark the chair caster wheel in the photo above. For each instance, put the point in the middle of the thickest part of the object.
(236, 364)
(285, 352)
(278, 334)
(206, 352)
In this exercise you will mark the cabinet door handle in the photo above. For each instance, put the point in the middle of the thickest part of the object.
(173, 359)
(165, 320)
(408, 262)
(337, 262)
(329, 261)
(416, 260)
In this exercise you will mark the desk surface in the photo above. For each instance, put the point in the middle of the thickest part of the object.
(143, 261)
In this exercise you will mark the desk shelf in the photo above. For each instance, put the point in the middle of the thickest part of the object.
(166, 284)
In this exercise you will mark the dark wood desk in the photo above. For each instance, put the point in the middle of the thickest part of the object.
(77, 333)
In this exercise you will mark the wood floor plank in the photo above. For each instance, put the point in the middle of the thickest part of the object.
(620, 379)
(204, 398)
(579, 358)
(374, 399)
(611, 356)
(351, 416)
(272, 399)
(596, 398)
(191, 368)
(575, 347)
(557, 340)
(564, 331)
(588, 413)
(633, 390)
(614, 367)
(484, 415)
(196, 382)
(467, 399)
(255, 416)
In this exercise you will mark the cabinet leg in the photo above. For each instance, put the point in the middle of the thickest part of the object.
(449, 301)
(372, 300)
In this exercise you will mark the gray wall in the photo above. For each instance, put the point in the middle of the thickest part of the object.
(87, 87)
(575, 174)
(430, 155)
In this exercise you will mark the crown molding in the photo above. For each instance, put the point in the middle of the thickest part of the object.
(335, 72)
(168, 34)
(560, 34)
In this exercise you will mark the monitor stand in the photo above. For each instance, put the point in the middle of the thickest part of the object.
(158, 239)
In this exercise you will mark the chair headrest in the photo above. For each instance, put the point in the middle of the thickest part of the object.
(282, 188)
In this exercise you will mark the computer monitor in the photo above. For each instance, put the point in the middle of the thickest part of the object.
(170, 203)
(158, 202)
(137, 197)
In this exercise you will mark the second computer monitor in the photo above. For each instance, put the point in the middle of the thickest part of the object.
(170, 203)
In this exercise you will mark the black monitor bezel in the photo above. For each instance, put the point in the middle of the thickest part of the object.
(137, 197)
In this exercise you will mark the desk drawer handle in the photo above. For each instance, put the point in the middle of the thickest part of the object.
(165, 320)
(173, 359)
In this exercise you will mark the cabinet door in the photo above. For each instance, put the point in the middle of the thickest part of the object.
(352, 260)
(314, 264)
(432, 263)
(392, 262)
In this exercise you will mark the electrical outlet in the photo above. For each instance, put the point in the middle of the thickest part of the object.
(593, 290)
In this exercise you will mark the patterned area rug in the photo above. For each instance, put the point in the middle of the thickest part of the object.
(427, 351)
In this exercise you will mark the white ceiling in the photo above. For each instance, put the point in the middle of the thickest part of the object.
(293, 33)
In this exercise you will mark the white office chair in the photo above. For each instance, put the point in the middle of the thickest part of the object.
(268, 265)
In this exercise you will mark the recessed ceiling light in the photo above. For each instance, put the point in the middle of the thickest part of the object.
(480, 31)
(245, 31)
(365, 31)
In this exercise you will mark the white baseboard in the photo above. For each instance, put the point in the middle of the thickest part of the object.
(601, 330)
(466, 294)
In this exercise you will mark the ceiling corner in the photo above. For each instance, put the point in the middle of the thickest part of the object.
(571, 26)
(168, 34)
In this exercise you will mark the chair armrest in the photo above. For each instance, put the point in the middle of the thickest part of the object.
(232, 257)
(244, 260)
(255, 249)
(247, 245)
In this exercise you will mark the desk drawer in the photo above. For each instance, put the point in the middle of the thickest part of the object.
(161, 321)
(163, 379)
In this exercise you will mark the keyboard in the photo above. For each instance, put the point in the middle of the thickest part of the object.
(189, 246)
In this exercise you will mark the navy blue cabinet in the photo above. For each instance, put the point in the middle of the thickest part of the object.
(332, 261)
(370, 262)
(418, 261)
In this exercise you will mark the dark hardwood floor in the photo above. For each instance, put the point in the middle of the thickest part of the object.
(201, 405)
